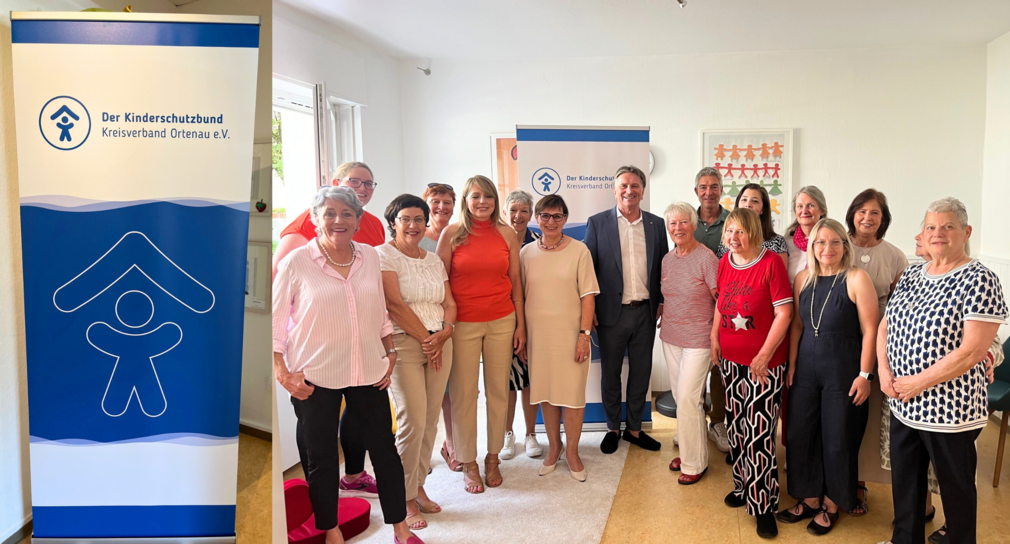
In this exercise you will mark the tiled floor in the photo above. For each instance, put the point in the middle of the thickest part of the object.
(651, 507)
(252, 516)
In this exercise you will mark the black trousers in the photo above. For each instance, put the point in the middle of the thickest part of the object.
(354, 450)
(823, 433)
(955, 460)
(634, 334)
(317, 418)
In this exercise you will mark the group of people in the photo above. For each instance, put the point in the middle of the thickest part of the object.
(791, 327)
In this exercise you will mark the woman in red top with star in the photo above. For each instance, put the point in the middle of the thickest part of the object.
(752, 316)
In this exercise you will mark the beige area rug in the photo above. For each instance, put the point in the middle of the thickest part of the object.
(526, 506)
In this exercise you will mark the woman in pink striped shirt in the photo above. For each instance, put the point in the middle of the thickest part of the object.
(339, 347)
(689, 286)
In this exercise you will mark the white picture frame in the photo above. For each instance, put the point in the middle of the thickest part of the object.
(756, 167)
(258, 281)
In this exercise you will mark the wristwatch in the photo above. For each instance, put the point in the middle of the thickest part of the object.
(586, 332)
(868, 376)
(391, 351)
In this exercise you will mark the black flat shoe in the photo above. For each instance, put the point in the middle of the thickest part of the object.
(643, 440)
(817, 529)
(733, 501)
(766, 526)
(806, 511)
(609, 444)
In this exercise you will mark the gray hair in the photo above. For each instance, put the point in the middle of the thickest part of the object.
(518, 196)
(705, 172)
(952, 205)
(343, 194)
(681, 208)
(817, 196)
(630, 169)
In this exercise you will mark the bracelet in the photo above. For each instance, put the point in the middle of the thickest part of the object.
(391, 351)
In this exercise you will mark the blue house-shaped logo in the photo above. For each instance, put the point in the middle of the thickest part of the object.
(65, 123)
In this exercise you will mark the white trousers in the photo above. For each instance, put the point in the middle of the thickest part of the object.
(688, 369)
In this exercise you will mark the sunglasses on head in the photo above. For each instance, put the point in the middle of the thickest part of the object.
(446, 185)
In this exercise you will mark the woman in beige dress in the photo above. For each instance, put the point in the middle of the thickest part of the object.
(560, 286)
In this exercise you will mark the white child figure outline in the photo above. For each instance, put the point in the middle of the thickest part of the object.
(135, 367)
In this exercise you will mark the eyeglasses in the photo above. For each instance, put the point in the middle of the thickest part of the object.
(834, 243)
(367, 184)
(446, 185)
(409, 220)
(557, 217)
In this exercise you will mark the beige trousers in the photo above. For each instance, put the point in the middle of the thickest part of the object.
(472, 342)
(417, 396)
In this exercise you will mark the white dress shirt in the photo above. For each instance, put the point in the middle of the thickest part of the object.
(633, 258)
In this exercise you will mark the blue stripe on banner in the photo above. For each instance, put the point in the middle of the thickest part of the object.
(132, 521)
(135, 33)
(595, 413)
(580, 135)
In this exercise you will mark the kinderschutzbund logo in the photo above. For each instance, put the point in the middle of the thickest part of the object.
(65, 123)
(546, 181)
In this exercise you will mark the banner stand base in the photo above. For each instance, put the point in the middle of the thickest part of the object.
(143, 540)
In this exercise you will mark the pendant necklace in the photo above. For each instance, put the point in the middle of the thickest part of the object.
(820, 318)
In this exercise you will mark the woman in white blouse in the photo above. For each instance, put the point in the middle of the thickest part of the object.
(338, 347)
(422, 310)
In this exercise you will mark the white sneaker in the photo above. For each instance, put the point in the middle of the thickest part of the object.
(676, 442)
(717, 434)
(509, 450)
(533, 448)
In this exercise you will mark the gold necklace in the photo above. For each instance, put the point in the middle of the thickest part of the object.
(354, 254)
(397, 246)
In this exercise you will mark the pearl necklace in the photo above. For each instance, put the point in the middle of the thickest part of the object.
(354, 255)
(540, 243)
(820, 318)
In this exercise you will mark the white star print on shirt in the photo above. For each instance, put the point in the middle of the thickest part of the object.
(740, 322)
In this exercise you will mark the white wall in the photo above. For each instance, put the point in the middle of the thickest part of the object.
(312, 52)
(908, 122)
(996, 165)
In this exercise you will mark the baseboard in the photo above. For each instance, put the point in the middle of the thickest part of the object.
(254, 432)
(24, 532)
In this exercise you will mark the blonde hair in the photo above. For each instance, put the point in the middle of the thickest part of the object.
(749, 221)
(465, 225)
(344, 169)
(813, 265)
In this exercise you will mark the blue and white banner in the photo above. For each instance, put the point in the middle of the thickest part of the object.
(134, 145)
(578, 163)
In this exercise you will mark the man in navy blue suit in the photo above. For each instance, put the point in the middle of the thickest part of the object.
(628, 245)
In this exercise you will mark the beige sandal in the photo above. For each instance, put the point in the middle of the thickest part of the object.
(471, 478)
(428, 507)
(416, 522)
(491, 472)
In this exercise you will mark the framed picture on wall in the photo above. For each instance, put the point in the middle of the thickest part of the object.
(504, 163)
(762, 156)
(257, 277)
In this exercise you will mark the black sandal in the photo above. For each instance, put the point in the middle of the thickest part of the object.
(817, 529)
(806, 511)
(939, 536)
(861, 505)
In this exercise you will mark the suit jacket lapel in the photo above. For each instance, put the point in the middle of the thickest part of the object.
(650, 241)
(614, 238)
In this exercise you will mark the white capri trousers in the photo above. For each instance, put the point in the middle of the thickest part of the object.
(689, 369)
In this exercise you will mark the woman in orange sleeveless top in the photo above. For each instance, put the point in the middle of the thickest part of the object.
(481, 255)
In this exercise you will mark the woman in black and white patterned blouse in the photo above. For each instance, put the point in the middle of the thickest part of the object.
(931, 351)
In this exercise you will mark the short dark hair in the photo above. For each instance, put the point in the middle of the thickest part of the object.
(858, 202)
(403, 202)
(551, 202)
(766, 208)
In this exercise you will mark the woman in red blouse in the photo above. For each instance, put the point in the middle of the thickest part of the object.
(752, 316)
(481, 256)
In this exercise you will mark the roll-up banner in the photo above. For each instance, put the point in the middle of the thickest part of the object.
(134, 147)
(578, 163)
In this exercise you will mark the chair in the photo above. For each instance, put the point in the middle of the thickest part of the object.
(999, 400)
(352, 515)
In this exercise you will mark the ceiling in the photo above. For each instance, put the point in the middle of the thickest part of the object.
(529, 29)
